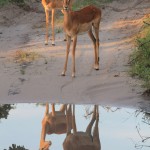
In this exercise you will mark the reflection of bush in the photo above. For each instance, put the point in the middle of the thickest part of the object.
(144, 143)
(15, 147)
(146, 118)
(4, 110)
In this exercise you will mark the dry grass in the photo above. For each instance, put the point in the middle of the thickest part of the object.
(22, 56)
(25, 58)
(140, 59)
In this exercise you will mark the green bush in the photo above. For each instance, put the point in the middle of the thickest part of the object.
(3, 2)
(17, 1)
(20, 3)
(81, 3)
(140, 59)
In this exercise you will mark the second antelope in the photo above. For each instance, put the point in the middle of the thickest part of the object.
(77, 22)
(52, 5)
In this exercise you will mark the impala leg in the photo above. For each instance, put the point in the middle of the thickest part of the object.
(67, 53)
(53, 29)
(89, 127)
(69, 110)
(47, 26)
(74, 120)
(96, 67)
(47, 109)
(96, 139)
(65, 39)
(73, 55)
(96, 28)
(43, 143)
(68, 113)
(53, 110)
(62, 108)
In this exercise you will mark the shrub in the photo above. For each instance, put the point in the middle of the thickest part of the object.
(140, 59)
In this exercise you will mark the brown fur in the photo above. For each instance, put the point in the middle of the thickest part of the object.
(83, 140)
(78, 22)
(53, 122)
(51, 5)
(86, 14)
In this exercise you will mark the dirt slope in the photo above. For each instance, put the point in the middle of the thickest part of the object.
(41, 80)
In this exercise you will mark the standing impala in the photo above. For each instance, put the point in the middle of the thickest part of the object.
(52, 5)
(76, 22)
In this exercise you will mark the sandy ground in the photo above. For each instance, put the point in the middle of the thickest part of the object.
(41, 81)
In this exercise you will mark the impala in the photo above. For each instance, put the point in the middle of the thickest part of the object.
(77, 22)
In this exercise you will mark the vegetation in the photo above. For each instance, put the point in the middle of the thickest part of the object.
(25, 58)
(20, 3)
(144, 143)
(81, 3)
(15, 147)
(140, 59)
(17, 1)
(4, 110)
(3, 2)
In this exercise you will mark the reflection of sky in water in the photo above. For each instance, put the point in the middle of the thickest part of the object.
(117, 129)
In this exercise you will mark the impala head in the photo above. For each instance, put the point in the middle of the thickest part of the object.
(44, 145)
(66, 5)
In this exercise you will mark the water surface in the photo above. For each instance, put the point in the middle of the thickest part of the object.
(119, 129)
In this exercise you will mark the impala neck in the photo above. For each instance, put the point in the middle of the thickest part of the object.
(67, 19)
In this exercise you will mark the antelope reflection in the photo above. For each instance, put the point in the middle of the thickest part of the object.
(83, 140)
(54, 123)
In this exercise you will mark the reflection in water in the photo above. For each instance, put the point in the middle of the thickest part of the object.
(83, 140)
(57, 122)
(144, 139)
(121, 129)
(54, 122)
(4, 110)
